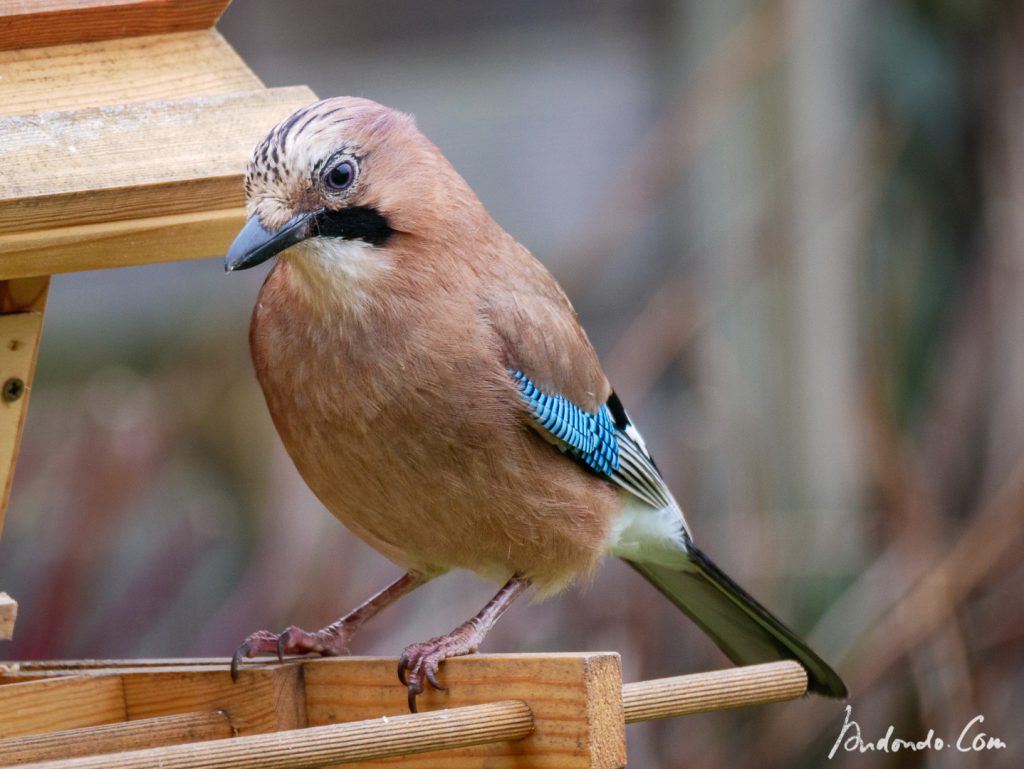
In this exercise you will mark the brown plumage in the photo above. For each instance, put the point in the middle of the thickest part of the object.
(384, 339)
(409, 453)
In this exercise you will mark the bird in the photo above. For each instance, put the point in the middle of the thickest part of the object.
(433, 386)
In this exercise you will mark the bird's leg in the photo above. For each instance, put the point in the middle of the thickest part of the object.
(419, 662)
(330, 641)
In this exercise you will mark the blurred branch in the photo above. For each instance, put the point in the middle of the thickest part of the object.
(980, 549)
(675, 141)
(675, 313)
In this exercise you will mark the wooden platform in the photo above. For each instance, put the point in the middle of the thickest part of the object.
(565, 711)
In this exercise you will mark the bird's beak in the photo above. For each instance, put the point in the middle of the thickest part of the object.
(254, 245)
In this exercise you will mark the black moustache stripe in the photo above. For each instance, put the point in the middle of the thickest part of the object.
(355, 223)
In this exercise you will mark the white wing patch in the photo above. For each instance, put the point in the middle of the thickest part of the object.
(647, 535)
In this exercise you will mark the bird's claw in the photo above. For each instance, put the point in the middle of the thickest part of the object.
(292, 641)
(420, 663)
(260, 642)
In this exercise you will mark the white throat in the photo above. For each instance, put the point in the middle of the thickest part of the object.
(335, 272)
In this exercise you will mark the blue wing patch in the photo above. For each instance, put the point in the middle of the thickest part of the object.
(589, 437)
(606, 442)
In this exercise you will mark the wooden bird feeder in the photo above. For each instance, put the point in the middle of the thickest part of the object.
(125, 126)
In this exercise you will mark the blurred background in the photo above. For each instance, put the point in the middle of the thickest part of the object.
(795, 233)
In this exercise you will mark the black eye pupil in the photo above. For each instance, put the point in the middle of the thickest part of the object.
(340, 176)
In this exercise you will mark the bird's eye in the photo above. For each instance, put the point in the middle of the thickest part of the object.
(340, 177)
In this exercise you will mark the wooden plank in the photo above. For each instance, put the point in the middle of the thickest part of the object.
(19, 341)
(713, 690)
(265, 699)
(119, 244)
(8, 614)
(305, 748)
(116, 738)
(575, 700)
(125, 71)
(133, 161)
(62, 703)
(87, 666)
(33, 23)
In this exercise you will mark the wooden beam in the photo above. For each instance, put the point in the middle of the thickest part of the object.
(34, 707)
(119, 244)
(33, 23)
(8, 614)
(141, 160)
(116, 738)
(22, 303)
(125, 71)
(575, 700)
(265, 699)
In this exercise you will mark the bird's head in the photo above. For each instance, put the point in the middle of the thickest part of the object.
(343, 172)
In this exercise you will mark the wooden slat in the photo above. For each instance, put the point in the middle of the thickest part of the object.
(344, 743)
(33, 23)
(126, 71)
(713, 690)
(136, 161)
(63, 703)
(8, 614)
(19, 340)
(116, 738)
(575, 700)
(265, 699)
(119, 244)
(88, 666)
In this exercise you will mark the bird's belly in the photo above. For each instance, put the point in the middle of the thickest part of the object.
(434, 487)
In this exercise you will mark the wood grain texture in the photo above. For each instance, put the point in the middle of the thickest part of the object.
(265, 699)
(34, 23)
(573, 697)
(116, 738)
(19, 342)
(119, 244)
(337, 743)
(8, 615)
(713, 690)
(133, 161)
(126, 71)
(70, 702)
(28, 295)
(500, 712)
(104, 666)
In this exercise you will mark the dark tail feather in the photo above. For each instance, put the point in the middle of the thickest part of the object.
(738, 624)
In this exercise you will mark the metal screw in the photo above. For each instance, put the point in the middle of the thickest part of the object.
(14, 388)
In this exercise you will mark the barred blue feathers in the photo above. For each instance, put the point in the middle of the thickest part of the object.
(589, 437)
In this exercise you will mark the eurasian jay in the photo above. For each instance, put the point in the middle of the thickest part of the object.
(432, 384)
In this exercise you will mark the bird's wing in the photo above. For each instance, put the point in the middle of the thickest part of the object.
(563, 387)
(605, 442)
(539, 334)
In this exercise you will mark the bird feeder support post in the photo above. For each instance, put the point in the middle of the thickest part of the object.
(22, 303)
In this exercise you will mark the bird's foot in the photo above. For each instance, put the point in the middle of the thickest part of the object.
(331, 641)
(419, 662)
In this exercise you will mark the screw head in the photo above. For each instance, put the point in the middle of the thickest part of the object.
(13, 389)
